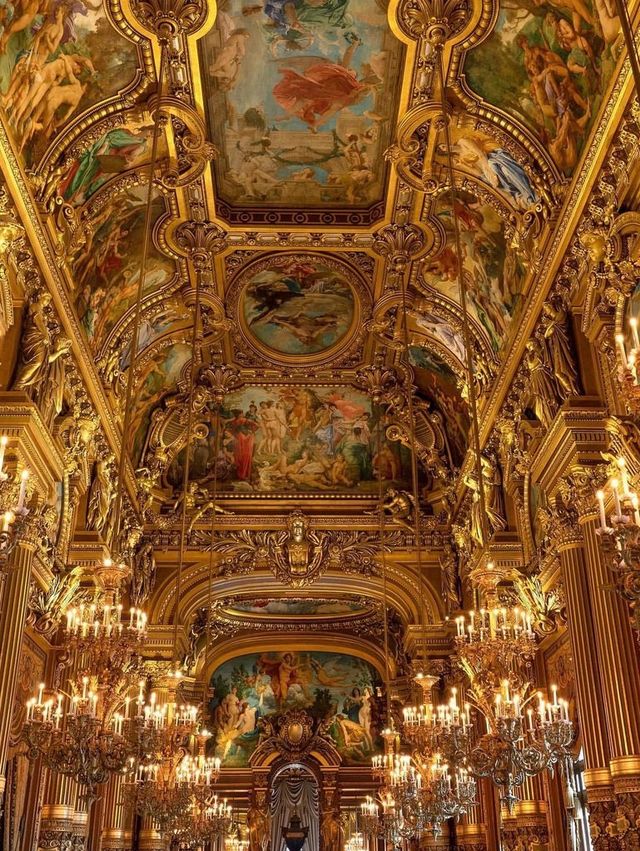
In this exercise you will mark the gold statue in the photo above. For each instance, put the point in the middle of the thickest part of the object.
(330, 830)
(298, 552)
(39, 351)
(595, 244)
(400, 507)
(543, 394)
(493, 499)
(208, 504)
(101, 495)
(558, 346)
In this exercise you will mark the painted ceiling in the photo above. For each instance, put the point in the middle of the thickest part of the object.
(316, 137)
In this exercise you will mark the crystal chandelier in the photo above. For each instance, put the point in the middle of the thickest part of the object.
(73, 737)
(173, 781)
(620, 537)
(81, 734)
(447, 792)
(440, 729)
(518, 744)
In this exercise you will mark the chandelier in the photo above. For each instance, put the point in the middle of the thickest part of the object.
(442, 729)
(620, 536)
(497, 633)
(72, 737)
(172, 782)
(80, 734)
(516, 747)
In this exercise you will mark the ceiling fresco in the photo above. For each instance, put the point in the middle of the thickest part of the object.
(56, 60)
(320, 164)
(296, 607)
(301, 98)
(548, 64)
(295, 439)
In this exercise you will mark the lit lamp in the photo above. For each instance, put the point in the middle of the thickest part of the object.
(619, 533)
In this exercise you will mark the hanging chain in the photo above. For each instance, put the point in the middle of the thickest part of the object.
(146, 242)
(466, 321)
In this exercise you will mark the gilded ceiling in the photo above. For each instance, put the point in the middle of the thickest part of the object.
(316, 136)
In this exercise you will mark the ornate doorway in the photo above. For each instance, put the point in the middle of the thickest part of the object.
(294, 790)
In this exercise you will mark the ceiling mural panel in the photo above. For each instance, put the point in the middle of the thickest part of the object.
(548, 65)
(297, 607)
(439, 383)
(296, 439)
(334, 688)
(107, 266)
(494, 273)
(56, 60)
(300, 98)
(116, 150)
(299, 309)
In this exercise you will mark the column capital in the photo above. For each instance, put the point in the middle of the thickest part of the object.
(576, 438)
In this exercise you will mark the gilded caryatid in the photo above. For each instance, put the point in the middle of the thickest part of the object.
(557, 344)
(544, 400)
(40, 349)
(101, 495)
(493, 499)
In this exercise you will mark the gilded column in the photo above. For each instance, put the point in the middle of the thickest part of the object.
(116, 831)
(568, 540)
(528, 824)
(620, 680)
(57, 824)
(149, 839)
(471, 831)
(12, 623)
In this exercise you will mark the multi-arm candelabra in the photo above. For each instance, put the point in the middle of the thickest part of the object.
(620, 536)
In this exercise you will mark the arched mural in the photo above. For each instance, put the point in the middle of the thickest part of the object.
(336, 689)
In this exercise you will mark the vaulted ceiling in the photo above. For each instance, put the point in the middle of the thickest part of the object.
(309, 134)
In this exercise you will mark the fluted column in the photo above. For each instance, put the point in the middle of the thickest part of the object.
(592, 711)
(149, 839)
(620, 681)
(12, 622)
(116, 831)
(528, 824)
(57, 823)
(471, 831)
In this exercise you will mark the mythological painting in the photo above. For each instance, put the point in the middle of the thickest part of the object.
(439, 383)
(56, 59)
(298, 307)
(477, 154)
(107, 268)
(116, 151)
(297, 607)
(494, 274)
(300, 99)
(296, 438)
(160, 375)
(548, 63)
(334, 688)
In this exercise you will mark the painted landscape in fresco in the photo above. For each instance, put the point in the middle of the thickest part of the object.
(295, 438)
(437, 381)
(548, 64)
(494, 275)
(331, 687)
(475, 153)
(297, 607)
(298, 307)
(57, 58)
(107, 268)
(300, 96)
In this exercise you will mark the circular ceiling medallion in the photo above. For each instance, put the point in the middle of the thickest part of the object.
(298, 307)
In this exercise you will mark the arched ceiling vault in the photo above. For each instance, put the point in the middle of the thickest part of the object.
(308, 136)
